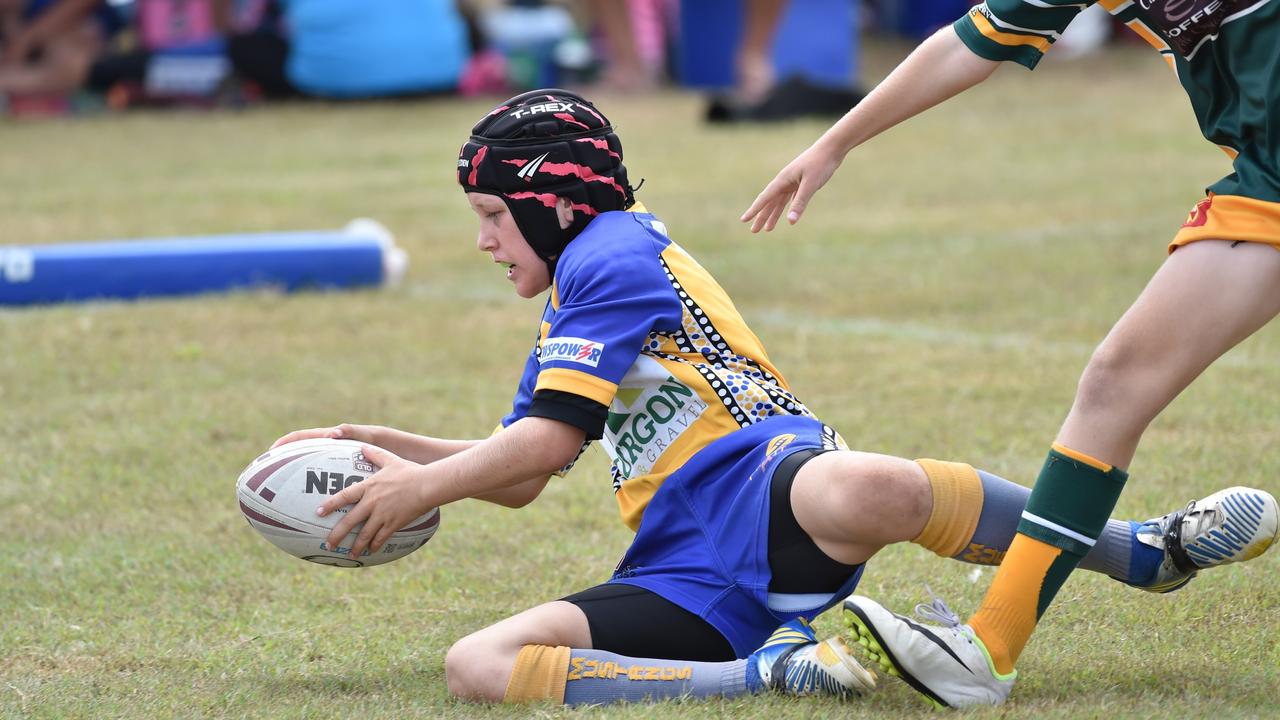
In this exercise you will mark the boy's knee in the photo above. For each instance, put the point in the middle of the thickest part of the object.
(857, 484)
(461, 670)
(869, 477)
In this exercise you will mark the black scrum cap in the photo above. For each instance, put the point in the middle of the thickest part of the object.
(536, 147)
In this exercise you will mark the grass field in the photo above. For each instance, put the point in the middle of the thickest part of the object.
(939, 298)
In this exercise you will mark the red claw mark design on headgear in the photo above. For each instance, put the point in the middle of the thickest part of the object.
(518, 162)
(571, 119)
(583, 172)
(497, 110)
(600, 144)
(475, 164)
(594, 114)
(549, 200)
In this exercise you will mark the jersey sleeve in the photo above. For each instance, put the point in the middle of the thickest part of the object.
(524, 391)
(524, 399)
(1017, 30)
(611, 298)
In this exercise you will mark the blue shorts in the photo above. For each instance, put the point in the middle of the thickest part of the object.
(704, 541)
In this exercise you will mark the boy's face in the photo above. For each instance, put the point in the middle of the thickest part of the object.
(501, 238)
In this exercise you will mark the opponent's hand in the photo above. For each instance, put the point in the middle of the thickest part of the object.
(794, 185)
(345, 431)
(386, 502)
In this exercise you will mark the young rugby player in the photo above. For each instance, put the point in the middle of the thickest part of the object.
(750, 514)
(1220, 283)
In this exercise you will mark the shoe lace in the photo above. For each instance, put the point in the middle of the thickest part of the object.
(937, 611)
(1197, 520)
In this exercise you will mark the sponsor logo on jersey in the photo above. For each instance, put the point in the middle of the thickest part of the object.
(639, 431)
(571, 349)
(543, 108)
(1199, 214)
(527, 171)
(1184, 24)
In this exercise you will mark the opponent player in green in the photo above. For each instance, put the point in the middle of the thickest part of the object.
(1220, 283)
(750, 514)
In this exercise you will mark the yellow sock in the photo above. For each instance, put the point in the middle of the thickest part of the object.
(1065, 513)
(1007, 616)
(957, 505)
(540, 673)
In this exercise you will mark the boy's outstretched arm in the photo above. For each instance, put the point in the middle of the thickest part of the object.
(525, 452)
(938, 69)
(422, 450)
(410, 446)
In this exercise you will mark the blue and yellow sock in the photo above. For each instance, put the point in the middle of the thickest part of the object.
(998, 504)
(596, 677)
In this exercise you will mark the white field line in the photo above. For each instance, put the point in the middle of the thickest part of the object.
(868, 326)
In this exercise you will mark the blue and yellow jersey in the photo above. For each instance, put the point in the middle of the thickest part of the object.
(641, 348)
(1226, 54)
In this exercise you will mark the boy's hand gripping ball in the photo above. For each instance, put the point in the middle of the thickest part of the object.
(279, 493)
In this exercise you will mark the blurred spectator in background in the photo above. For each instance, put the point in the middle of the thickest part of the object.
(760, 59)
(756, 59)
(221, 51)
(373, 48)
(175, 52)
(48, 45)
(628, 69)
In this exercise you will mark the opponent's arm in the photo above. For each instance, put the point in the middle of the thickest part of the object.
(530, 448)
(940, 68)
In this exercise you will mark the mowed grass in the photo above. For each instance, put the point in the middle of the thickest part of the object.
(939, 299)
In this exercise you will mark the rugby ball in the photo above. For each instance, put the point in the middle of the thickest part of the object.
(280, 491)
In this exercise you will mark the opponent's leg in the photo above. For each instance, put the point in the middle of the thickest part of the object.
(1206, 298)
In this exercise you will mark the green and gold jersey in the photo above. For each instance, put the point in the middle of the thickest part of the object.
(1226, 54)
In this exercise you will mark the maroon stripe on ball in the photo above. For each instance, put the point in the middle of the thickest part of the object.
(434, 521)
(255, 515)
(265, 472)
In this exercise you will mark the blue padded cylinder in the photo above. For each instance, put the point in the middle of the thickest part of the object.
(361, 254)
